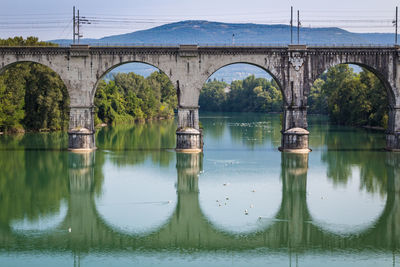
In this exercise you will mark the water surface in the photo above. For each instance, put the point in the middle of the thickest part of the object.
(135, 201)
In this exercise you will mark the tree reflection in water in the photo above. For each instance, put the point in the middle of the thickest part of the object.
(47, 178)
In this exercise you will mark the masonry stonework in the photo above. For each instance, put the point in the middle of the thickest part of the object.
(294, 68)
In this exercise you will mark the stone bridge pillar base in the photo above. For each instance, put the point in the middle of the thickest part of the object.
(393, 142)
(81, 140)
(295, 140)
(81, 130)
(189, 138)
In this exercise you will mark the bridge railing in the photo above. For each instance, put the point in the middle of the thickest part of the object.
(283, 45)
(350, 45)
(227, 45)
(168, 45)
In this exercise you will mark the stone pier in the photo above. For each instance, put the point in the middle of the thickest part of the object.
(294, 124)
(393, 132)
(294, 133)
(81, 132)
(189, 137)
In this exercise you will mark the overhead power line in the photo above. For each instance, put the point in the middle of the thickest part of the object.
(94, 22)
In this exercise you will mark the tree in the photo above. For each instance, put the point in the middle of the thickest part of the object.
(355, 98)
(32, 96)
(129, 97)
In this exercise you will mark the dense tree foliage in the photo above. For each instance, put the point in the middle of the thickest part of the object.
(350, 98)
(250, 95)
(129, 97)
(32, 96)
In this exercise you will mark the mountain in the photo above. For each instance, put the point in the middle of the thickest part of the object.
(212, 33)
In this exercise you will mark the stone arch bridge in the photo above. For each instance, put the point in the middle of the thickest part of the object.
(294, 67)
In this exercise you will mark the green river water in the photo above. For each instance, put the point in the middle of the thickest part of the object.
(136, 202)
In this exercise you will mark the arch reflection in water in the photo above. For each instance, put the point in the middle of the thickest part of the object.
(136, 199)
(346, 203)
(189, 228)
(236, 192)
(33, 190)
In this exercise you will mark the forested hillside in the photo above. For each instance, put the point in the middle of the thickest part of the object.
(210, 32)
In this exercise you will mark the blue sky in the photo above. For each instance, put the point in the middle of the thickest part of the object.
(52, 19)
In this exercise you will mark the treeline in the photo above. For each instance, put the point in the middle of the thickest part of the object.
(20, 41)
(349, 98)
(249, 95)
(129, 97)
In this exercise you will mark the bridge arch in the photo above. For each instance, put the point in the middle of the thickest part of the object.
(45, 78)
(266, 67)
(58, 70)
(380, 72)
(377, 107)
(270, 71)
(107, 69)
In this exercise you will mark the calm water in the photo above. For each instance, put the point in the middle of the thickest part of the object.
(136, 202)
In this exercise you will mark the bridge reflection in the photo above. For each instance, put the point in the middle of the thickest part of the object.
(83, 229)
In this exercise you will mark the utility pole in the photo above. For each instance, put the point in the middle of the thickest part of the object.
(397, 20)
(74, 26)
(77, 22)
(291, 25)
(298, 27)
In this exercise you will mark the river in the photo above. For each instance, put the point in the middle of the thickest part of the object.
(135, 201)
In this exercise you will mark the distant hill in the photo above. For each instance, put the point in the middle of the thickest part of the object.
(206, 32)
(226, 74)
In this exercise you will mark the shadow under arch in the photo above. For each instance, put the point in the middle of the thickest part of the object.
(115, 66)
